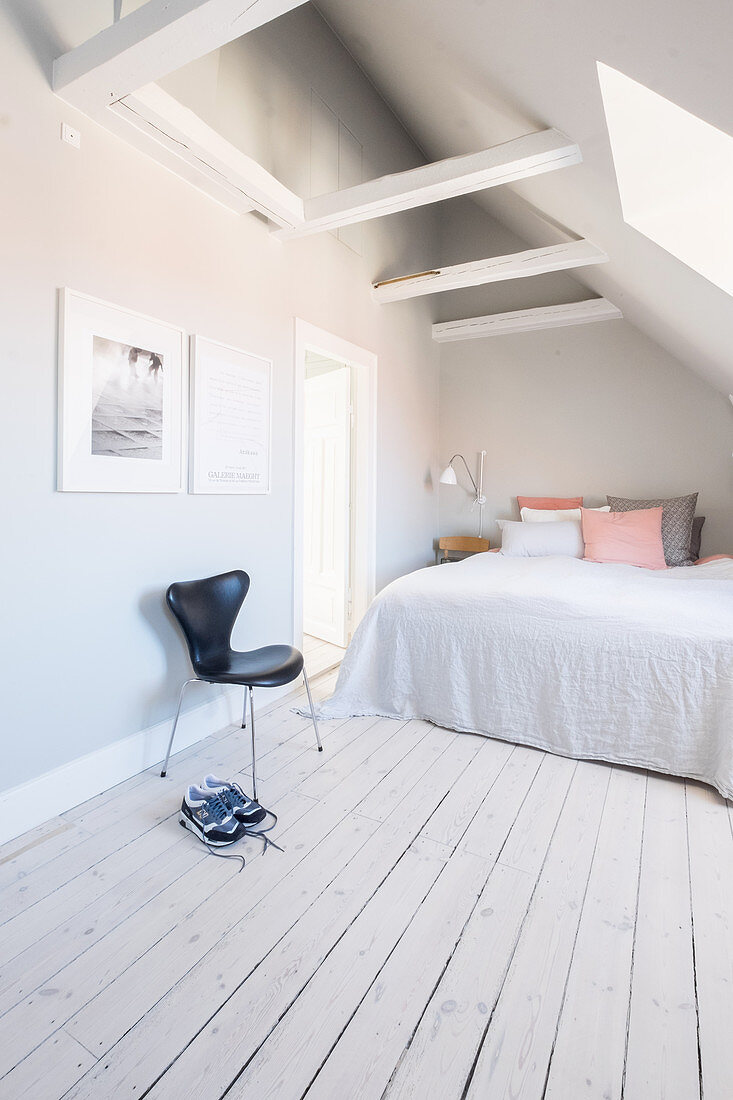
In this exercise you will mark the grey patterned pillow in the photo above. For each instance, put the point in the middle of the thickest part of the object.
(677, 516)
(697, 525)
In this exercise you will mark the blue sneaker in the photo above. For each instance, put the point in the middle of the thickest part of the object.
(206, 815)
(234, 798)
(254, 819)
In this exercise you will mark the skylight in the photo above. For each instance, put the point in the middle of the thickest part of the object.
(674, 174)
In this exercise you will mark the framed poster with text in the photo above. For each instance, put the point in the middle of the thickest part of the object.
(231, 399)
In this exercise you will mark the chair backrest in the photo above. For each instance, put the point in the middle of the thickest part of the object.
(206, 611)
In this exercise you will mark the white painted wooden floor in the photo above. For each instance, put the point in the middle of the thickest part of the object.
(451, 917)
(320, 656)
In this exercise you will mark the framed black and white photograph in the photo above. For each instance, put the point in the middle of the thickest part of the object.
(231, 398)
(121, 400)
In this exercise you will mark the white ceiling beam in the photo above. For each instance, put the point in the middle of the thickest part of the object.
(519, 265)
(212, 162)
(151, 42)
(525, 156)
(149, 141)
(527, 320)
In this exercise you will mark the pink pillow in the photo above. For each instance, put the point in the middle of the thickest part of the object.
(624, 538)
(549, 503)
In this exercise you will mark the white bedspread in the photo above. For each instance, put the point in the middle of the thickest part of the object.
(603, 662)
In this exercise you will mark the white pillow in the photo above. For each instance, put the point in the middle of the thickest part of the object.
(539, 540)
(555, 515)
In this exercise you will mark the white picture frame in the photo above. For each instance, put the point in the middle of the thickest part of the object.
(122, 414)
(231, 420)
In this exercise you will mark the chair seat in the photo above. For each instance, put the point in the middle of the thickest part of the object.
(271, 666)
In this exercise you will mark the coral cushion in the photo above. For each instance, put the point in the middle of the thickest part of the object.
(624, 538)
(549, 502)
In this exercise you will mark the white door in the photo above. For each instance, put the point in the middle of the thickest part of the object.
(327, 483)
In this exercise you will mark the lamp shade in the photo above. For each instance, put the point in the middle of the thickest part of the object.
(448, 477)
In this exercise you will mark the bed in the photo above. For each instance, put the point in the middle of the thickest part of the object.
(591, 661)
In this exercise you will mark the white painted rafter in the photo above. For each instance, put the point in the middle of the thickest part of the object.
(527, 320)
(526, 156)
(215, 160)
(519, 265)
(111, 78)
(151, 42)
(149, 141)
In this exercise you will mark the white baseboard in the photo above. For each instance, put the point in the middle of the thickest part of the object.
(31, 803)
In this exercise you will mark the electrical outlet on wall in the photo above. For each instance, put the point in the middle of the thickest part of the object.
(70, 135)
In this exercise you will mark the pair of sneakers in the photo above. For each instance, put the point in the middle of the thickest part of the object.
(219, 813)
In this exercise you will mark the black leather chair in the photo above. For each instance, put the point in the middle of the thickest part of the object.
(206, 611)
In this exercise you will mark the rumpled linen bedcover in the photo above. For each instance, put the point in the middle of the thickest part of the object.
(603, 662)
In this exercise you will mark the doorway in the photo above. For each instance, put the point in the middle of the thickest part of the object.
(334, 493)
(327, 423)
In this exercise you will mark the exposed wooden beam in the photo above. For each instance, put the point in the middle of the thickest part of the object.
(152, 41)
(525, 156)
(520, 265)
(212, 162)
(149, 141)
(527, 320)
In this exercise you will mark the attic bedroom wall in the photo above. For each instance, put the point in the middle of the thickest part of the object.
(90, 656)
(591, 410)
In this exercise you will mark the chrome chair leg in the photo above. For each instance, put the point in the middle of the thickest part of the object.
(254, 761)
(313, 712)
(175, 723)
(244, 711)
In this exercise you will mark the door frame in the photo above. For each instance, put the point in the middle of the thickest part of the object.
(337, 384)
(364, 460)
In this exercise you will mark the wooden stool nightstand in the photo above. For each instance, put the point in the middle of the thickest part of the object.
(459, 545)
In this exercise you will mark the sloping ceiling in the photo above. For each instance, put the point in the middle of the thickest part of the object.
(466, 74)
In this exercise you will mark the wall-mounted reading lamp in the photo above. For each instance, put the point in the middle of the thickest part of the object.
(448, 477)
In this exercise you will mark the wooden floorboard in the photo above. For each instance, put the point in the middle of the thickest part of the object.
(515, 1053)
(451, 917)
(320, 655)
(600, 973)
(663, 1011)
(128, 819)
(711, 881)
(439, 1058)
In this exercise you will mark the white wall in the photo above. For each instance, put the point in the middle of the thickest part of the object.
(587, 411)
(590, 410)
(90, 656)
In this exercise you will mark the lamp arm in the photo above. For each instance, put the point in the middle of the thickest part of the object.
(475, 486)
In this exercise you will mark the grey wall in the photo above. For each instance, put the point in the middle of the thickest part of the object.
(589, 410)
(90, 657)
